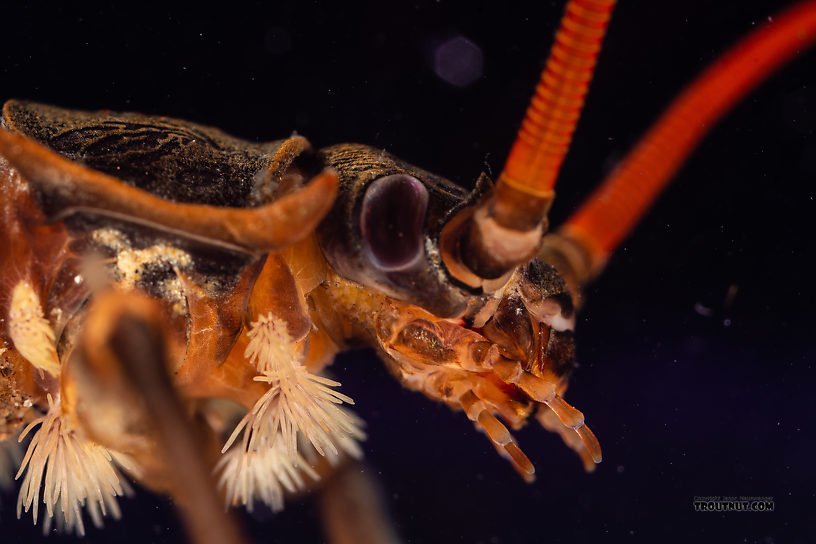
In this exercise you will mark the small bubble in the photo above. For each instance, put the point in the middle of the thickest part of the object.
(458, 61)
(700, 309)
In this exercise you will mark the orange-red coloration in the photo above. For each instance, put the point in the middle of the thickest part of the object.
(547, 129)
(505, 228)
(613, 210)
(286, 297)
(265, 228)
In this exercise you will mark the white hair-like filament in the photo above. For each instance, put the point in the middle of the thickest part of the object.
(297, 404)
(69, 473)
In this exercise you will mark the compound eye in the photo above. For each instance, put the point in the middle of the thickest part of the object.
(392, 220)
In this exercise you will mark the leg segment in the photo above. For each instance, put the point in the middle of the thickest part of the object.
(571, 438)
(545, 393)
(352, 508)
(269, 227)
(478, 412)
(123, 349)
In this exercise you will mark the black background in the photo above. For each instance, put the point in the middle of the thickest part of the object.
(684, 404)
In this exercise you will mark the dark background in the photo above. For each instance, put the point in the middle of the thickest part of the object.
(683, 403)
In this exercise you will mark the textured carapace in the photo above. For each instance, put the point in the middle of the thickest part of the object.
(252, 299)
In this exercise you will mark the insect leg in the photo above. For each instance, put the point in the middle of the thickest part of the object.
(478, 412)
(352, 508)
(545, 392)
(123, 350)
(571, 438)
(72, 187)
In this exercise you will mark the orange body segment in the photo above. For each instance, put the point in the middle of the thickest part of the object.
(613, 210)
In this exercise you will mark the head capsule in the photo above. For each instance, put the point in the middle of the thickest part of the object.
(384, 233)
(498, 347)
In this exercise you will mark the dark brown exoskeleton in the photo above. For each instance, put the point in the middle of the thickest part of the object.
(163, 280)
(229, 240)
(502, 346)
(226, 244)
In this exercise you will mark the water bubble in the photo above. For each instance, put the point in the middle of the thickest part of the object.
(458, 61)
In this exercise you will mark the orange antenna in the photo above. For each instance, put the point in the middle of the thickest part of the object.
(547, 129)
(505, 228)
(608, 216)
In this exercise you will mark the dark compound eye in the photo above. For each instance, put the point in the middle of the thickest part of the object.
(392, 220)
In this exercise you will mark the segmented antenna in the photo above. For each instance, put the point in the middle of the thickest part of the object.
(506, 225)
(608, 216)
(547, 129)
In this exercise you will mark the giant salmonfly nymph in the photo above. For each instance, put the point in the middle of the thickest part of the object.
(173, 297)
